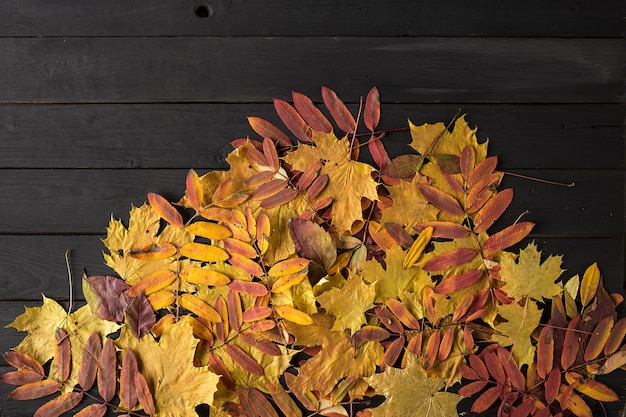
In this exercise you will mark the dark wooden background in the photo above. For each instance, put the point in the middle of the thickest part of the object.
(102, 102)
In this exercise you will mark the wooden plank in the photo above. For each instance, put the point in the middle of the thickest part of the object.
(39, 201)
(33, 265)
(311, 18)
(414, 70)
(198, 135)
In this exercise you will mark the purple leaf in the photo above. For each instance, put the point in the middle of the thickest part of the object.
(104, 295)
(313, 242)
(140, 316)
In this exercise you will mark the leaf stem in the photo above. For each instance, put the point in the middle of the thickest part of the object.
(527, 177)
(69, 278)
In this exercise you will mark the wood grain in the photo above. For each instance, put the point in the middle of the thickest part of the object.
(197, 135)
(311, 18)
(412, 70)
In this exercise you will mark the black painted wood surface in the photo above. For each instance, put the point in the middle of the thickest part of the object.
(102, 102)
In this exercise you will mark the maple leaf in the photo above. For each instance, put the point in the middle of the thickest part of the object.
(529, 277)
(142, 232)
(410, 392)
(168, 367)
(349, 303)
(521, 323)
(349, 180)
(436, 140)
(336, 360)
(409, 206)
(41, 324)
(395, 279)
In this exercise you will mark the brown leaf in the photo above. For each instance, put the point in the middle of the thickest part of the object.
(217, 365)
(492, 210)
(373, 333)
(317, 187)
(284, 401)
(545, 352)
(402, 313)
(525, 408)
(450, 259)
(109, 303)
(479, 366)
(432, 347)
(235, 313)
(338, 110)
(571, 344)
(598, 339)
(552, 384)
(89, 362)
(243, 359)
(62, 354)
(270, 153)
(486, 399)
(143, 394)
(292, 119)
(507, 237)
(441, 199)
(468, 338)
(371, 114)
(21, 377)
(415, 343)
(310, 113)
(128, 390)
(400, 235)
(165, 210)
(59, 405)
(458, 282)
(151, 252)
(267, 130)
(140, 316)
(93, 410)
(254, 403)
(313, 242)
(309, 175)
(472, 388)
(511, 369)
(107, 375)
(449, 164)
(34, 390)
(495, 367)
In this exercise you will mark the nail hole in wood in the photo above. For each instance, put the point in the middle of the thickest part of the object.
(203, 11)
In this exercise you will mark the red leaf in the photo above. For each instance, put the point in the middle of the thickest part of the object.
(216, 364)
(485, 401)
(524, 409)
(35, 390)
(267, 130)
(59, 405)
(143, 394)
(512, 370)
(482, 191)
(441, 200)
(378, 152)
(264, 346)
(371, 114)
(107, 376)
(472, 388)
(446, 230)
(280, 198)
(467, 161)
(400, 235)
(598, 338)
(128, 390)
(165, 210)
(22, 361)
(373, 333)
(402, 313)
(256, 313)
(270, 153)
(388, 319)
(93, 410)
(479, 366)
(292, 119)
(62, 354)
(507, 237)
(552, 384)
(269, 189)
(245, 264)
(483, 169)
(251, 288)
(338, 110)
(494, 366)
(317, 187)
(571, 343)
(458, 282)
(615, 338)
(492, 210)
(391, 355)
(310, 113)
(21, 377)
(446, 344)
(243, 359)
(545, 352)
(450, 259)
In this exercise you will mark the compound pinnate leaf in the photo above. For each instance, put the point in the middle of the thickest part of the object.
(507, 237)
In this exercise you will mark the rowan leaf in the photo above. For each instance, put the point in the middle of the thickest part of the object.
(294, 122)
(59, 405)
(21, 377)
(194, 190)
(338, 110)
(267, 130)
(371, 114)
(441, 200)
(310, 113)
(89, 362)
(34, 390)
(93, 410)
(165, 210)
(410, 392)
(507, 237)
(176, 384)
(598, 339)
(349, 180)
(492, 210)
(526, 276)
(140, 316)
(589, 284)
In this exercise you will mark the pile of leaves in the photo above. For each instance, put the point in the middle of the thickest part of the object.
(303, 281)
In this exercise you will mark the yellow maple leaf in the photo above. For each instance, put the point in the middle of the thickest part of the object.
(529, 277)
(41, 324)
(409, 206)
(168, 367)
(336, 360)
(349, 303)
(348, 180)
(410, 392)
(521, 323)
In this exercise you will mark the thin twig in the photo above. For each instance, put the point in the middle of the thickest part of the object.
(69, 278)
(526, 177)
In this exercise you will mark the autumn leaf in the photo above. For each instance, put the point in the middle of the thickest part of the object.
(41, 324)
(409, 206)
(349, 180)
(410, 392)
(168, 367)
(521, 323)
(349, 303)
(529, 277)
